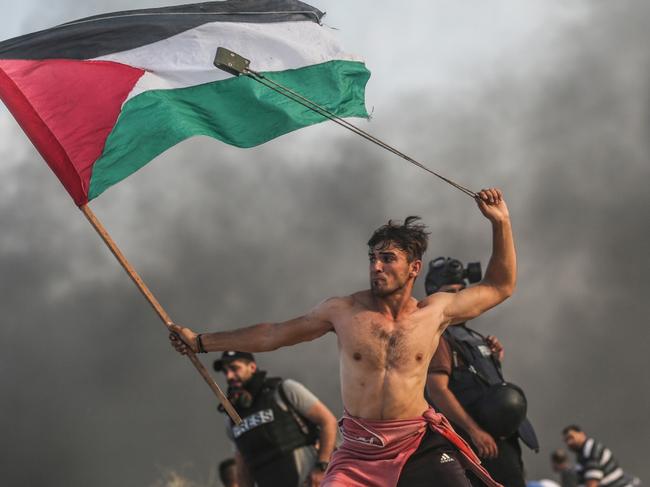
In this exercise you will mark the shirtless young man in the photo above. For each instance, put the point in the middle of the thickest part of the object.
(386, 339)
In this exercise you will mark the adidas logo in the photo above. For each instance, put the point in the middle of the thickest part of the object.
(444, 458)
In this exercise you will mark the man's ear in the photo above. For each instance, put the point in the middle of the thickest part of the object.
(416, 265)
(254, 366)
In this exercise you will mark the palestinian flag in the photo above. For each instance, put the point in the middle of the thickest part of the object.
(102, 96)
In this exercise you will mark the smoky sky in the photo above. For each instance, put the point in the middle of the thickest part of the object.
(92, 394)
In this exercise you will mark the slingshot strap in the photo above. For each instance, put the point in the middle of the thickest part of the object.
(298, 98)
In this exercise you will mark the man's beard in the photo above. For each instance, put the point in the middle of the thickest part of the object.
(239, 382)
(383, 292)
(380, 293)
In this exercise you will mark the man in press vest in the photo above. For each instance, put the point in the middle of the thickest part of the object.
(287, 434)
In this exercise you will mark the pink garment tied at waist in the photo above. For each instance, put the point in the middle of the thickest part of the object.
(374, 452)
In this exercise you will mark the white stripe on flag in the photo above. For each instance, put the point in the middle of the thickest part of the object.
(186, 59)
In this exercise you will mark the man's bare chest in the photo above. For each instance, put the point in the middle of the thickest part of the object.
(377, 341)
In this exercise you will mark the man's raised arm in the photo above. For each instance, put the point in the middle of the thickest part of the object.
(501, 273)
(262, 337)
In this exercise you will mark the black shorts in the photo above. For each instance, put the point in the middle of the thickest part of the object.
(436, 463)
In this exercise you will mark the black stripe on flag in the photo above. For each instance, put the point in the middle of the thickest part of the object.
(120, 31)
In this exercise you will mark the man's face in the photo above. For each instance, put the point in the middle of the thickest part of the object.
(390, 270)
(239, 372)
(575, 439)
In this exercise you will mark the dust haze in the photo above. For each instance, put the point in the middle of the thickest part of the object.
(94, 395)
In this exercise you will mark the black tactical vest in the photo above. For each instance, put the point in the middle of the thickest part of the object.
(268, 430)
(474, 370)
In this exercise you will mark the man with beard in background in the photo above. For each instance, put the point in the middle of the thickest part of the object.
(286, 436)
(595, 464)
(386, 338)
(465, 382)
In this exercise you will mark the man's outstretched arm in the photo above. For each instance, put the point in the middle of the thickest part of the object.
(262, 337)
(501, 273)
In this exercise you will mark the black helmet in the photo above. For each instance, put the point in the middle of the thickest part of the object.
(447, 270)
(502, 410)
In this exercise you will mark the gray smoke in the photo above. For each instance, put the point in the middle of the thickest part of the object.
(92, 392)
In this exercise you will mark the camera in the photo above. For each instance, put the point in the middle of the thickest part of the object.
(447, 270)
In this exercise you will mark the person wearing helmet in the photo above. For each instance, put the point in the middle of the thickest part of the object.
(466, 384)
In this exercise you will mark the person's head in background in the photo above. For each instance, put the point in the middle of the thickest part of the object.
(560, 460)
(228, 473)
(574, 437)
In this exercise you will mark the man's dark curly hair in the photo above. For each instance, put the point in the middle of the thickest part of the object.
(411, 237)
(571, 427)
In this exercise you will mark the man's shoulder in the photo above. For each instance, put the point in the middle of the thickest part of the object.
(293, 385)
(597, 447)
(329, 308)
(590, 449)
(432, 308)
(360, 298)
(436, 299)
(299, 397)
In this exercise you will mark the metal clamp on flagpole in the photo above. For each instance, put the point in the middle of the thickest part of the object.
(237, 65)
(231, 62)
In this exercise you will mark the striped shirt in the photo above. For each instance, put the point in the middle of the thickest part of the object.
(595, 462)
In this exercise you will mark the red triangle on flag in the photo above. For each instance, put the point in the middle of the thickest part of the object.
(67, 108)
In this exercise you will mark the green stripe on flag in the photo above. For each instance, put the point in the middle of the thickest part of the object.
(238, 111)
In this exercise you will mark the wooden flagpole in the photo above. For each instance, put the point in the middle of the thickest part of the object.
(97, 225)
